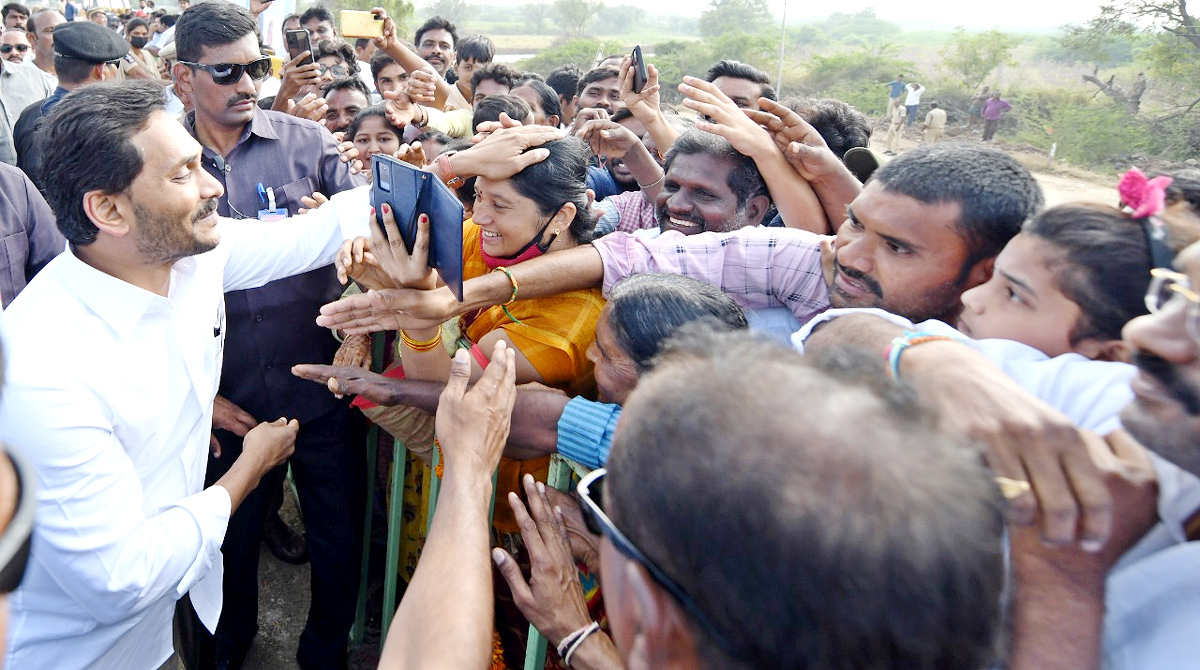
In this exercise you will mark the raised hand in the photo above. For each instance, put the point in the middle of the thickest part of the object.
(472, 425)
(608, 139)
(405, 269)
(552, 599)
(727, 119)
(311, 107)
(644, 106)
(296, 76)
(801, 144)
(355, 262)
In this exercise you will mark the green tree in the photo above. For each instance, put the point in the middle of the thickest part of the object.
(456, 11)
(620, 19)
(574, 15)
(735, 16)
(1173, 55)
(535, 15)
(971, 58)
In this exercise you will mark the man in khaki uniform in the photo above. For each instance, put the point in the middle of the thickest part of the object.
(895, 129)
(935, 124)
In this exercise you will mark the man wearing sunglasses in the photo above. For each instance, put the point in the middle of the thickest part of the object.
(21, 85)
(266, 162)
(14, 45)
(85, 53)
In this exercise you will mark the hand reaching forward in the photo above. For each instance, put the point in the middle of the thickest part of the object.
(801, 144)
(728, 120)
(405, 269)
(552, 599)
(355, 262)
(472, 425)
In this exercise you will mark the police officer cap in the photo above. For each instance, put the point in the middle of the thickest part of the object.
(87, 41)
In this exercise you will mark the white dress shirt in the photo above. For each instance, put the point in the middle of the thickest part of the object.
(914, 95)
(109, 392)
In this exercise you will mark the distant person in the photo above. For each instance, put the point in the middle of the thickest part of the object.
(15, 15)
(976, 113)
(935, 124)
(912, 102)
(41, 35)
(319, 23)
(895, 129)
(993, 111)
(599, 89)
(99, 17)
(743, 84)
(471, 54)
(564, 79)
(895, 90)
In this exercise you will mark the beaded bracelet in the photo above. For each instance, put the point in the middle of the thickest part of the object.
(512, 280)
(571, 643)
(910, 339)
(427, 345)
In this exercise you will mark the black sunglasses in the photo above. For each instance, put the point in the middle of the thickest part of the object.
(231, 73)
(7, 48)
(14, 543)
(590, 494)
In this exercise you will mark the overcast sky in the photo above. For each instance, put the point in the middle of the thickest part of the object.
(912, 14)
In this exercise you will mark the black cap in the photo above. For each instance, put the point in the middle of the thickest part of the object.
(87, 41)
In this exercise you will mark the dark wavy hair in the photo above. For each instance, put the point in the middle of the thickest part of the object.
(560, 179)
(90, 130)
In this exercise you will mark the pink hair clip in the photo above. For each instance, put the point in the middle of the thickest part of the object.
(1146, 197)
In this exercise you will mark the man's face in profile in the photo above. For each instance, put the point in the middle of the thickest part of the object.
(902, 255)
(1165, 412)
(173, 201)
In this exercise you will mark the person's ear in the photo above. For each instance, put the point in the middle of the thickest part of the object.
(561, 221)
(553, 120)
(99, 72)
(756, 208)
(1103, 350)
(980, 273)
(110, 212)
(183, 76)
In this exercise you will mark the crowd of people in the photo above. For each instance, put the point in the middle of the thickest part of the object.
(821, 411)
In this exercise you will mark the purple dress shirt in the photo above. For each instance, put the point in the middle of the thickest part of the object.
(29, 236)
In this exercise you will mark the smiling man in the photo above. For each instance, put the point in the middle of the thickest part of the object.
(125, 526)
(435, 41)
(266, 162)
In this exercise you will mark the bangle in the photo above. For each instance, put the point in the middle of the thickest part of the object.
(512, 280)
(654, 183)
(448, 175)
(909, 339)
(571, 643)
(427, 345)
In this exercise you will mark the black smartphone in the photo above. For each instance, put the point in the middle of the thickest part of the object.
(639, 69)
(411, 192)
(298, 42)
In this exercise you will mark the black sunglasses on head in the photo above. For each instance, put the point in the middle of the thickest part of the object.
(231, 73)
(590, 494)
(14, 543)
(7, 48)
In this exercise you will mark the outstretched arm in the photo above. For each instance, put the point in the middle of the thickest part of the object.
(445, 618)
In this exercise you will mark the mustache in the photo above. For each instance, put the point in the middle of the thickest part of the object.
(207, 207)
(858, 277)
(1165, 373)
(240, 97)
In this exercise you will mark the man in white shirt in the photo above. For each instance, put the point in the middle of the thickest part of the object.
(912, 102)
(21, 85)
(115, 354)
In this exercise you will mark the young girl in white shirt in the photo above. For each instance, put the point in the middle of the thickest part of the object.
(1077, 273)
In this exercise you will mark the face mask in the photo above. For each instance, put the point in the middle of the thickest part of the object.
(531, 250)
(138, 42)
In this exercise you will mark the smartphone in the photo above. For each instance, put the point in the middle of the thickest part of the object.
(298, 42)
(639, 69)
(360, 24)
(411, 192)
